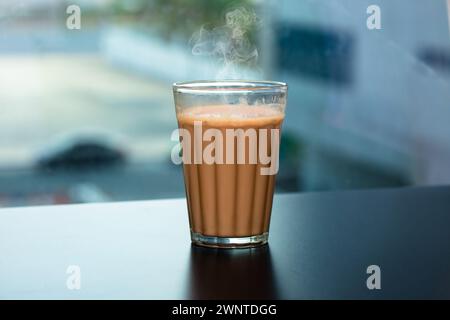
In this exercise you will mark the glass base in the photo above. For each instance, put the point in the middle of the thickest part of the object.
(229, 242)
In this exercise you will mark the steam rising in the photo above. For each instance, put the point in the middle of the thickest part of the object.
(229, 45)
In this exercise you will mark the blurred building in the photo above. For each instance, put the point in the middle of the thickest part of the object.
(372, 105)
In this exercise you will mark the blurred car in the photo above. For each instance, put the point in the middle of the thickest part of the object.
(81, 152)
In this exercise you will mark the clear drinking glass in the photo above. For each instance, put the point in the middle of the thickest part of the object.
(229, 133)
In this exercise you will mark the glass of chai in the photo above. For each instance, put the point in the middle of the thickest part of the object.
(229, 134)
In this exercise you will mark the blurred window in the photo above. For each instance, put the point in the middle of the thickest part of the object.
(86, 114)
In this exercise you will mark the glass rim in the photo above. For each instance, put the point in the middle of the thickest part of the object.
(228, 86)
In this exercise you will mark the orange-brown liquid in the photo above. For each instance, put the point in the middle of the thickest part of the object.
(229, 200)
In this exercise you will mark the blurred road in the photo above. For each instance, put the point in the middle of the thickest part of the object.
(43, 96)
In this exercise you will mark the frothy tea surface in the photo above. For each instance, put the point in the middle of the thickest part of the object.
(233, 115)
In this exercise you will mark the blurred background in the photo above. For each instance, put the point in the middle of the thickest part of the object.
(86, 115)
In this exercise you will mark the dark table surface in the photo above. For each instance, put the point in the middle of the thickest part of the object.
(320, 247)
